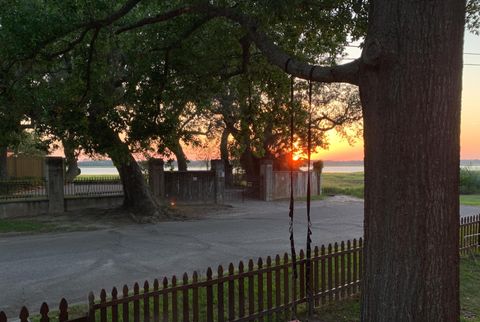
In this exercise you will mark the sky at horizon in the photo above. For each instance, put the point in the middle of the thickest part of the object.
(340, 150)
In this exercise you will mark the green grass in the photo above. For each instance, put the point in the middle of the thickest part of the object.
(350, 184)
(23, 226)
(470, 200)
(469, 288)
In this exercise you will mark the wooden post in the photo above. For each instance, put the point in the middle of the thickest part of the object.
(218, 167)
(55, 184)
(43, 313)
(114, 305)
(209, 296)
(156, 178)
(185, 306)
(220, 302)
(146, 302)
(125, 313)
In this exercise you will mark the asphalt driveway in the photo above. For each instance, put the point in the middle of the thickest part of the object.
(47, 267)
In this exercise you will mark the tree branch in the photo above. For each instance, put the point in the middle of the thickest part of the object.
(347, 73)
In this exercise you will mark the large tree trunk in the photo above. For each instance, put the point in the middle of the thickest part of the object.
(137, 195)
(3, 163)
(411, 100)
(138, 198)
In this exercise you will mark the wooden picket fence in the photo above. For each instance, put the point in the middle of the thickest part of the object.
(261, 291)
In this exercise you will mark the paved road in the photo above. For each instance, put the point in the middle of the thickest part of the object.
(47, 267)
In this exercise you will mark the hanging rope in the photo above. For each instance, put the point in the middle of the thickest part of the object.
(308, 263)
(292, 200)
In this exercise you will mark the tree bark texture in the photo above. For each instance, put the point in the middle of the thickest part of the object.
(411, 95)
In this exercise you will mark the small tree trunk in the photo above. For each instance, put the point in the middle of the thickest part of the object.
(411, 100)
(71, 162)
(3, 163)
(182, 162)
(224, 157)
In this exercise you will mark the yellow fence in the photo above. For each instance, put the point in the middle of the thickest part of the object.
(25, 166)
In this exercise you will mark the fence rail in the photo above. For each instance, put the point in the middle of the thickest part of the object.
(14, 189)
(98, 186)
(257, 291)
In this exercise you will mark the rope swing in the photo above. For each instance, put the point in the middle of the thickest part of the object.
(308, 262)
(292, 200)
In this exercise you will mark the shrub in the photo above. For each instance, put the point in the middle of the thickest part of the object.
(469, 181)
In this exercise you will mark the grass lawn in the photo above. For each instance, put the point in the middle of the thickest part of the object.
(470, 200)
(351, 184)
(24, 226)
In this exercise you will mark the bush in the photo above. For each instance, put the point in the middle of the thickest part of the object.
(469, 181)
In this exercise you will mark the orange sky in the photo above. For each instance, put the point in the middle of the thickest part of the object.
(340, 150)
(470, 130)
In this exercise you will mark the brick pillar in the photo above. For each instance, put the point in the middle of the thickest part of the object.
(218, 167)
(266, 175)
(55, 184)
(156, 178)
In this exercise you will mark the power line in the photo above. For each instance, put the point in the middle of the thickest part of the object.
(476, 54)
